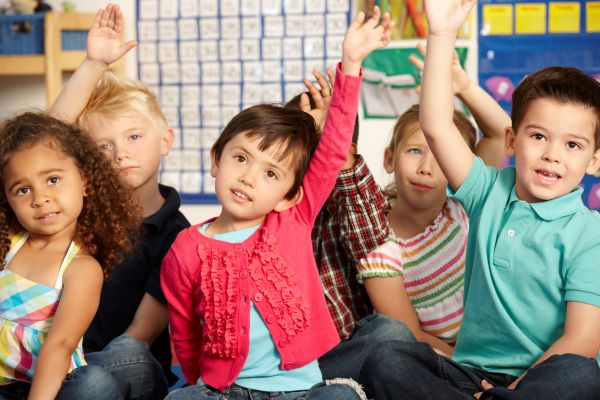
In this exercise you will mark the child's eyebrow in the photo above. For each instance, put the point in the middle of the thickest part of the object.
(574, 136)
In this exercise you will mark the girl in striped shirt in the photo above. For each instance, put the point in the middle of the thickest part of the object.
(417, 275)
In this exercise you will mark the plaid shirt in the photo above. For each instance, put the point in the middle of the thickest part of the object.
(352, 222)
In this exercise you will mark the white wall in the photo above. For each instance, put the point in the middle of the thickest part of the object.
(23, 93)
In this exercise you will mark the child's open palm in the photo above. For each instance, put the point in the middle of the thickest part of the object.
(460, 79)
(104, 38)
(445, 17)
(362, 38)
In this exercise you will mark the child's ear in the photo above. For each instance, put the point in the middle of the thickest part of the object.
(214, 163)
(289, 203)
(594, 163)
(166, 141)
(388, 161)
(510, 138)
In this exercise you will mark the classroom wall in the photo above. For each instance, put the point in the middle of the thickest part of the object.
(20, 93)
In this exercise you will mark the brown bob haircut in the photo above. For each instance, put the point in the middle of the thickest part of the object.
(561, 84)
(293, 132)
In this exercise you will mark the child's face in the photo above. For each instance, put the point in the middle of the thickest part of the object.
(251, 183)
(45, 190)
(420, 183)
(553, 149)
(134, 143)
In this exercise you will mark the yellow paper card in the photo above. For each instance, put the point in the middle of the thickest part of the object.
(497, 19)
(593, 16)
(530, 18)
(564, 18)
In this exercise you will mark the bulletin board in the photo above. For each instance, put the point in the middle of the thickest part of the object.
(209, 59)
(519, 37)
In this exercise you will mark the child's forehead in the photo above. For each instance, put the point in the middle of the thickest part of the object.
(560, 117)
(102, 124)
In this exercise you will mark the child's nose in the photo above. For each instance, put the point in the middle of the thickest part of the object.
(40, 199)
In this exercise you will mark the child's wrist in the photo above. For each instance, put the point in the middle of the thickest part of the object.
(351, 67)
(96, 64)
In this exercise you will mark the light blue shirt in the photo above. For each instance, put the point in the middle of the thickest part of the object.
(261, 370)
(524, 262)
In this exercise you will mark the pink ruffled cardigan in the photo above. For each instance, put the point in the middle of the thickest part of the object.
(209, 284)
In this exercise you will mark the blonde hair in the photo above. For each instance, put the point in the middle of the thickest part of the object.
(408, 124)
(123, 96)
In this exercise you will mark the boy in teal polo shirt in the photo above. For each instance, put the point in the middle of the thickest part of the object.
(531, 328)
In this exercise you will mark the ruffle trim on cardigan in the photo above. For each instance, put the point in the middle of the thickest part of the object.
(277, 282)
(272, 277)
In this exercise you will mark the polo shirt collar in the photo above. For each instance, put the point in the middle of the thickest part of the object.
(559, 207)
(171, 205)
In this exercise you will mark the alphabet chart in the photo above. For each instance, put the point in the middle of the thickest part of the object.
(208, 59)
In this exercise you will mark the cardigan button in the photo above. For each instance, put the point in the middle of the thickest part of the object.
(288, 365)
(243, 274)
(283, 343)
(270, 319)
(258, 296)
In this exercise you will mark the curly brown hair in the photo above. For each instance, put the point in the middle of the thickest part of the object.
(109, 220)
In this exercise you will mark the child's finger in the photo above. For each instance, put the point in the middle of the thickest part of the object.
(331, 76)
(127, 46)
(325, 89)
(97, 19)
(118, 21)
(416, 61)
(314, 93)
(304, 103)
(357, 21)
(423, 49)
(374, 20)
(111, 18)
(105, 16)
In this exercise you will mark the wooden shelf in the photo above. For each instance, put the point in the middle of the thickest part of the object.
(54, 61)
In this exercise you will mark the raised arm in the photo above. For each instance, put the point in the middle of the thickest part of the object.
(103, 48)
(445, 17)
(491, 119)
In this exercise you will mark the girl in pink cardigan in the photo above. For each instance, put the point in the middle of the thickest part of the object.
(247, 313)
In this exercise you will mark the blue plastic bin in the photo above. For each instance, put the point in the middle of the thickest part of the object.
(73, 40)
(22, 34)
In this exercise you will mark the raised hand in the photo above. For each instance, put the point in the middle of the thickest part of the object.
(460, 79)
(321, 97)
(104, 38)
(445, 17)
(364, 37)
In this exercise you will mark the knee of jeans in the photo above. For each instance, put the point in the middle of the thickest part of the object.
(93, 379)
(392, 329)
(127, 343)
(583, 368)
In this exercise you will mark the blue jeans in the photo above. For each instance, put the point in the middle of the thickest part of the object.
(320, 391)
(129, 361)
(346, 359)
(88, 382)
(404, 370)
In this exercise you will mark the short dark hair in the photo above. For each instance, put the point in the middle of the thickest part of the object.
(294, 132)
(294, 103)
(561, 84)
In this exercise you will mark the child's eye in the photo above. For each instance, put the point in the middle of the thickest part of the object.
(574, 145)
(239, 158)
(22, 191)
(53, 180)
(272, 175)
(538, 136)
(415, 151)
(105, 147)
(134, 136)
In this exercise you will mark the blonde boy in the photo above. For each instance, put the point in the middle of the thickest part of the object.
(128, 335)
(531, 328)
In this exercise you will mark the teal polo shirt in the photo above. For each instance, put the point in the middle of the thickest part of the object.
(524, 262)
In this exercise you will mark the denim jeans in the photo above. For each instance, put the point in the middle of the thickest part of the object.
(321, 391)
(129, 361)
(412, 370)
(88, 382)
(346, 359)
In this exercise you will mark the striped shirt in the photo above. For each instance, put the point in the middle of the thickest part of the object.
(432, 266)
(27, 310)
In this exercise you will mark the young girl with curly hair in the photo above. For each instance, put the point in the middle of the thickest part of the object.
(65, 219)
